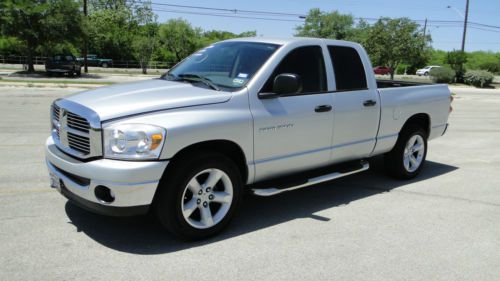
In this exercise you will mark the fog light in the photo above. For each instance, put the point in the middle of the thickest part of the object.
(104, 194)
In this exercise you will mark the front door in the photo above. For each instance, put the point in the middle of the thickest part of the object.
(293, 133)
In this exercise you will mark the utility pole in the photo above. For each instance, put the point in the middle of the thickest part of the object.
(465, 24)
(85, 43)
(425, 31)
(425, 27)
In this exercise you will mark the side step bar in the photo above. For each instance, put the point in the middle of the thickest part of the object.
(363, 166)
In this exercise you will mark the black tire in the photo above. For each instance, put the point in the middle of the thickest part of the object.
(394, 160)
(426, 74)
(171, 191)
(104, 65)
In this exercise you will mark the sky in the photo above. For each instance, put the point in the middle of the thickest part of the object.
(446, 36)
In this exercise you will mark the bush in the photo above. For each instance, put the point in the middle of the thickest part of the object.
(478, 78)
(442, 75)
(491, 66)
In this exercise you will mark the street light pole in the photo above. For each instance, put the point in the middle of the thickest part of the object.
(465, 24)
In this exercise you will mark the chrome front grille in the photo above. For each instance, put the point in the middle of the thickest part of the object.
(79, 143)
(55, 118)
(76, 129)
(78, 123)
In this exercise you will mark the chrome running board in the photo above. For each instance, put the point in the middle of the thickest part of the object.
(311, 181)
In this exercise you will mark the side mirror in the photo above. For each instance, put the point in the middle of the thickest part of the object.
(284, 84)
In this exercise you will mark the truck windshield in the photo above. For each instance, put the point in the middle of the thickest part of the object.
(228, 65)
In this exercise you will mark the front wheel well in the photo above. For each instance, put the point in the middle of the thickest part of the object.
(422, 120)
(228, 148)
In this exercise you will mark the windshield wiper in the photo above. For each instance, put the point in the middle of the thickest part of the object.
(197, 78)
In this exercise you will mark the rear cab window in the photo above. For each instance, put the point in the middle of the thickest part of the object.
(348, 69)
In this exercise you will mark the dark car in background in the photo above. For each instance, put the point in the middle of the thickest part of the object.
(382, 70)
(63, 64)
(94, 60)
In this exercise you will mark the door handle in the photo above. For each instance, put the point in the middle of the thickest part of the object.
(369, 103)
(323, 108)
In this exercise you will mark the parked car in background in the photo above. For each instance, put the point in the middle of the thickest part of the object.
(426, 70)
(93, 60)
(382, 70)
(63, 64)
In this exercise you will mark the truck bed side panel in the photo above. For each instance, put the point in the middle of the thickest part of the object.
(399, 104)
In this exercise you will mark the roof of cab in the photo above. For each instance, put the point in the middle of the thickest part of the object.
(284, 41)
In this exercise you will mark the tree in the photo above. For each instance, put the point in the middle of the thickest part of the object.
(179, 37)
(144, 43)
(457, 59)
(327, 25)
(393, 41)
(40, 22)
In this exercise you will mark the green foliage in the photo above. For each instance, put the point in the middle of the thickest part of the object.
(179, 37)
(491, 66)
(327, 25)
(11, 46)
(456, 60)
(442, 75)
(436, 57)
(38, 23)
(394, 41)
(144, 43)
(478, 78)
(482, 60)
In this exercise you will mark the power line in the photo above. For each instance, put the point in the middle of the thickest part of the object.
(224, 15)
(265, 15)
(271, 13)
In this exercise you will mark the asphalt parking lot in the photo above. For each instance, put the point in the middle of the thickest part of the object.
(444, 225)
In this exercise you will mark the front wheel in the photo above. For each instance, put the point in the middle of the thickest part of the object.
(406, 159)
(199, 196)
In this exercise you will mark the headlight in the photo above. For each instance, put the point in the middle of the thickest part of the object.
(133, 141)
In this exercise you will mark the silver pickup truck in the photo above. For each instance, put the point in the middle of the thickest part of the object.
(256, 114)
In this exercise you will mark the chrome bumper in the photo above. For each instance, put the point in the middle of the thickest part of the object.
(133, 183)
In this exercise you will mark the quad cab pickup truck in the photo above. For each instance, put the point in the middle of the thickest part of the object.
(264, 115)
(61, 64)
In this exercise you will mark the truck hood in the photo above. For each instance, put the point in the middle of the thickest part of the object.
(145, 96)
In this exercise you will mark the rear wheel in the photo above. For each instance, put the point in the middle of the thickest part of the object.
(406, 159)
(104, 64)
(199, 197)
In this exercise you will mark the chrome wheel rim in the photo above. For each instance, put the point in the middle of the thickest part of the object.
(414, 153)
(207, 198)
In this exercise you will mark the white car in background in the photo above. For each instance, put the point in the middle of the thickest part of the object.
(426, 70)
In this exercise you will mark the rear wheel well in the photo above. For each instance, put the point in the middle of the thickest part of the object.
(422, 120)
(224, 147)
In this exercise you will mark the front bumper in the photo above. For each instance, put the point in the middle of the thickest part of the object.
(133, 183)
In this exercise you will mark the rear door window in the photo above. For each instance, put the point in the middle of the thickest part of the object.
(348, 68)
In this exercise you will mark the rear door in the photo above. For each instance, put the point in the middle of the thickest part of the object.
(293, 133)
(356, 106)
